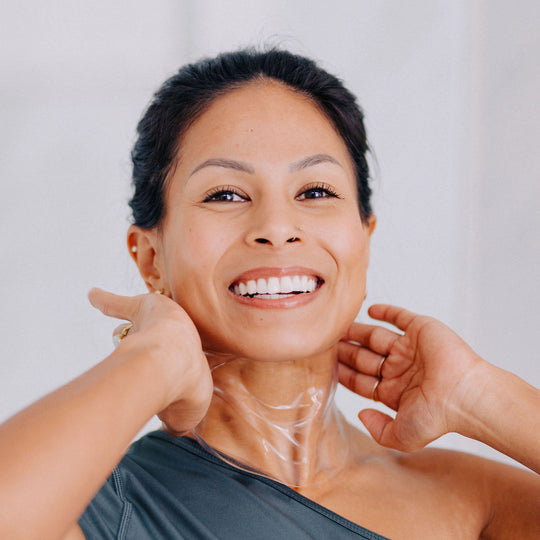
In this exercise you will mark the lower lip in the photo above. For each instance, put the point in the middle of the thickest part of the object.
(288, 302)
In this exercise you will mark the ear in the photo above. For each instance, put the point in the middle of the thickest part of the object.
(143, 247)
(371, 224)
(369, 227)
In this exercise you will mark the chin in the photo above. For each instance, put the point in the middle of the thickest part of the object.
(281, 337)
(275, 347)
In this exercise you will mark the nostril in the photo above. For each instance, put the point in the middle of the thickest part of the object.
(293, 239)
(261, 240)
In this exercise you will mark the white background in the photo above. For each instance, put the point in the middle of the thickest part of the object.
(450, 90)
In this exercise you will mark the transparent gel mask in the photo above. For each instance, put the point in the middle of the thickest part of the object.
(298, 438)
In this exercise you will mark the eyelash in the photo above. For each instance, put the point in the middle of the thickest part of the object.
(223, 190)
(320, 186)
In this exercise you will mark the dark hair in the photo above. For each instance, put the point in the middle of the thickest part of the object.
(185, 96)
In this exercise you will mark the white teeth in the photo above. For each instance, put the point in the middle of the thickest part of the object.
(273, 296)
(273, 285)
(276, 287)
(286, 284)
(296, 283)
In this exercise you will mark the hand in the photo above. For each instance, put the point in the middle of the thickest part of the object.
(425, 377)
(163, 332)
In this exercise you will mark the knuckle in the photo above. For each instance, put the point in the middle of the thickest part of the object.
(352, 382)
(106, 309)
(375, 337)
(356, 357)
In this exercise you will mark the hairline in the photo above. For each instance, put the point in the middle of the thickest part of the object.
(259, 78)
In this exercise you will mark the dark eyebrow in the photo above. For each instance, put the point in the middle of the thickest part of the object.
(313, 160)
(244, 167)
(226, 163)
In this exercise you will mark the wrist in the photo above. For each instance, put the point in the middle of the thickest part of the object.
(172, 374)
(473, 399)
(504, 415)
(147, 369)
(490, 401)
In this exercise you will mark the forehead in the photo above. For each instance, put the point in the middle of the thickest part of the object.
(261, 121)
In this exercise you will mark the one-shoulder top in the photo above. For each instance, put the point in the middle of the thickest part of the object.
(168, 488)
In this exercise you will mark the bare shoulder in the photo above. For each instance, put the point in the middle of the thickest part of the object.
(74, 533)
(508, 496)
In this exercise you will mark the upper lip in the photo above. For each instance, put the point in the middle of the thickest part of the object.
(266, 272)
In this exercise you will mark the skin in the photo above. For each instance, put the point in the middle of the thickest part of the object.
(268, 129)
(215, 242)
(434, 381)
(277, 350)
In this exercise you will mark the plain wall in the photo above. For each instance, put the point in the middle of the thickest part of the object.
(450, 92)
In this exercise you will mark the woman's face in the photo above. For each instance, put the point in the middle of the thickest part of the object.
(262, 243)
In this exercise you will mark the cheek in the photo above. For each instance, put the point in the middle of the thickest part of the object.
(192, 255)
(350, 248)
(348, 243)
(199, 244)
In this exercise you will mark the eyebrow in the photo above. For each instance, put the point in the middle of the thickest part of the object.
(226, 163)
(313, 160)
(309, 161)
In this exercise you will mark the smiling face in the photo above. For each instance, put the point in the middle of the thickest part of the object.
(262, 241)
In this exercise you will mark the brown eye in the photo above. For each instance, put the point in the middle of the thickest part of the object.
(224, 195)
(319, 191)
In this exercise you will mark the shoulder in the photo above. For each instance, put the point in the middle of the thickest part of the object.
(507, 496)
(454, 465)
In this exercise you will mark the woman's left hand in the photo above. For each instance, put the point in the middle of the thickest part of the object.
(426, 376)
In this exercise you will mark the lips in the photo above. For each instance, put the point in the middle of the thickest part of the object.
(275, 284)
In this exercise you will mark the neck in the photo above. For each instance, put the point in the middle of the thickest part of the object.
(278, 418)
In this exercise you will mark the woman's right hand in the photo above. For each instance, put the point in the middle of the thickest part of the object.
(164, 333)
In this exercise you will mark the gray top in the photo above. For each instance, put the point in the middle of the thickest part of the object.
(171, 488)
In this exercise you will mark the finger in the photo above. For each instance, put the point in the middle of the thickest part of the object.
(356, 382)
(399, 317)
(359, 358)
(379, 426)
(114, 305)
(376, 338)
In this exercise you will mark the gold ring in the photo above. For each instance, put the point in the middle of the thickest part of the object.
(374, 395)
(379, 369)
(117, 338)
(124, 332)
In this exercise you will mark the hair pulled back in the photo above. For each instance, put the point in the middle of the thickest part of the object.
(186, 95)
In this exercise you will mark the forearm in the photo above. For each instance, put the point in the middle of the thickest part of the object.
(55, 454)
(505, 414)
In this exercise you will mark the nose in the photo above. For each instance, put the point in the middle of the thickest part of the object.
(263, 240)
(275, 225)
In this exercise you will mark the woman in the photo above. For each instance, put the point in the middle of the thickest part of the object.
(251, 231)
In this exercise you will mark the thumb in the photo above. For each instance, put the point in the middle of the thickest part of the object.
(380, 427)
(114, 305)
